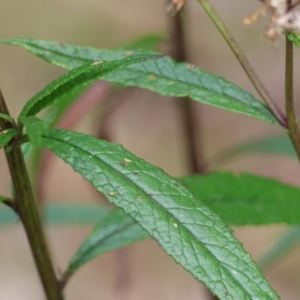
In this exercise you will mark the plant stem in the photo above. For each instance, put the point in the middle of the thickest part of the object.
(278, 114)
(292, 127)
(25, 206)
(186, 107)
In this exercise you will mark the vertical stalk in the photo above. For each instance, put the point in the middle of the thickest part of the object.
(25, 205)
(278, 114)
(186, 106)
(292, 127)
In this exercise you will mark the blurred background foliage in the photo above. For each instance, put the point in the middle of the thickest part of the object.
(149, 126)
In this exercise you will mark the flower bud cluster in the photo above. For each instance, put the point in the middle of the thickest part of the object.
(284, 16)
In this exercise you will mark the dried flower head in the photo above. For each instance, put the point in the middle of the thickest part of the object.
(284, 16)
(175, 6)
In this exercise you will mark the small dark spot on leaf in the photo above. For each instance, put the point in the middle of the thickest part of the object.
(135, 173)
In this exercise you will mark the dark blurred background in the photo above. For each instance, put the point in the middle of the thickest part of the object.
(148, 126)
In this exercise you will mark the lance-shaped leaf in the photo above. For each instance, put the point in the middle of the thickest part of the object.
(165, 77)
(6, 136)
(114, 231)
(247, 199)
(75, 79)
(184, 226)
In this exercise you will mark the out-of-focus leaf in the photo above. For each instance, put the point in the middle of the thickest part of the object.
(185, 227)
(34, 129)
(6, 136)
(285, 243)
(145, 43)
(62, 214)
(76, 78)
(247, 199)
(115, 230)
(165, 77)
(278, 145)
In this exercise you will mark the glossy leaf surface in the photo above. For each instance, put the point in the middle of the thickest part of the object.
(165, 77)
(75, 79)
(185, 227)
(114, 231)
(247, 199)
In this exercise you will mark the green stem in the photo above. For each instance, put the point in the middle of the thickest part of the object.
(278, 114)
(292, 127)
(24, 204)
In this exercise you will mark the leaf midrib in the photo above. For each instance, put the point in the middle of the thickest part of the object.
(189, 233)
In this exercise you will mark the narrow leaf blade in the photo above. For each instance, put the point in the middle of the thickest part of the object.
(75, 79)
(247, 199)
(114, 231)
(187, 230)
(165, 77)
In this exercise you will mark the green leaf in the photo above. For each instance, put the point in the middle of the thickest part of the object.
(284, 243)
(295, 38)
(114, 231)
(7, 118)
(185, 227)
(75, 79)
(62, 214)
(247, 199)
(146, 43)
(165, 77)
(34, 129)
(6, 136)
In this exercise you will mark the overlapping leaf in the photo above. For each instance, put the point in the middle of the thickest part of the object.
(114, 231)
(165, 77)
(247, 199)
(75, 79)
(185, 227)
